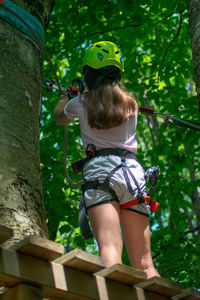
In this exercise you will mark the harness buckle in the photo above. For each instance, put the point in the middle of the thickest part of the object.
(90, 152)
(141, 198)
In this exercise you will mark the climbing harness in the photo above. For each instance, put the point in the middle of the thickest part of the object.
(123, 154)
(150, 176)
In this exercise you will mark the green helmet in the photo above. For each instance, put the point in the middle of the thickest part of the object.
(103, 54)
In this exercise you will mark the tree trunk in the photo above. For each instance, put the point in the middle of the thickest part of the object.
(194, 23)
(21, 200)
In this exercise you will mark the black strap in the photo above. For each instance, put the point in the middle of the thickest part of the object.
(91, 152)
(83, 221)
(115, 151)
(125, 168)
(96, 185)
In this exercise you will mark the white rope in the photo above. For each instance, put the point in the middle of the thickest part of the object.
(73, 184)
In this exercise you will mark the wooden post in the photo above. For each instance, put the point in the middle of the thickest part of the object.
(22, 292)
(102, 288)
(139, 294)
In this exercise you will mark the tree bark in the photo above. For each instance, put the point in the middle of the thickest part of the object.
(21, 200)
(194, 24)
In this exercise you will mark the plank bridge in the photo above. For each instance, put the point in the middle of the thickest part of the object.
(37, 269)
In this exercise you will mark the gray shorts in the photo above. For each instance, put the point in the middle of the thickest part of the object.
(99, 167)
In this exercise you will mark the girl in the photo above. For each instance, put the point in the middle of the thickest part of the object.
(114, 180)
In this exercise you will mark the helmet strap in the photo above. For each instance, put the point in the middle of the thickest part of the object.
(94, 84)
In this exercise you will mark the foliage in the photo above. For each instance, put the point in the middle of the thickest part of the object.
(155, 42)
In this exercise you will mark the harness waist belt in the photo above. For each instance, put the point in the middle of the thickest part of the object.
(117, 151)
(91, 152)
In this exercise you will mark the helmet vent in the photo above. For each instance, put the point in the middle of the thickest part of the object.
(116, 52)
(105, 50)
(98, 46)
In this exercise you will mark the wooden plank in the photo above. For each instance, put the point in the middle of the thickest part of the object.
(39, 247)
(83, 261)
(54, 279)
(22, 292)
(123, 273)
(161, 286)
(5, 233)
(188, 294)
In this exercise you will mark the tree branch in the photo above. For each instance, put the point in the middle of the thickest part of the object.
(103, 32)
(171, 14)
(182, 234)
(176, 35)
(191, 230)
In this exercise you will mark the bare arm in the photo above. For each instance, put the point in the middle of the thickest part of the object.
(59, 115)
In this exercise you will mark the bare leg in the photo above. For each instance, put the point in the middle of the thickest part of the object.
(136, 235)
(105, 222)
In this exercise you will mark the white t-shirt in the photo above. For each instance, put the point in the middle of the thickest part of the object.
(122, 136)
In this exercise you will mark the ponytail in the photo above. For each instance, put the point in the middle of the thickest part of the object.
(109, 105)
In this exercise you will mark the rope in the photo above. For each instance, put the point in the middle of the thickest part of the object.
(3, 6)
(73, 184)
(33, 22)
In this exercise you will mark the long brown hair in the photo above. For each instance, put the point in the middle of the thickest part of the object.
(109, 105)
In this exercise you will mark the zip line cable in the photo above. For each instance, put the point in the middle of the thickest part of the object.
(175, 120)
